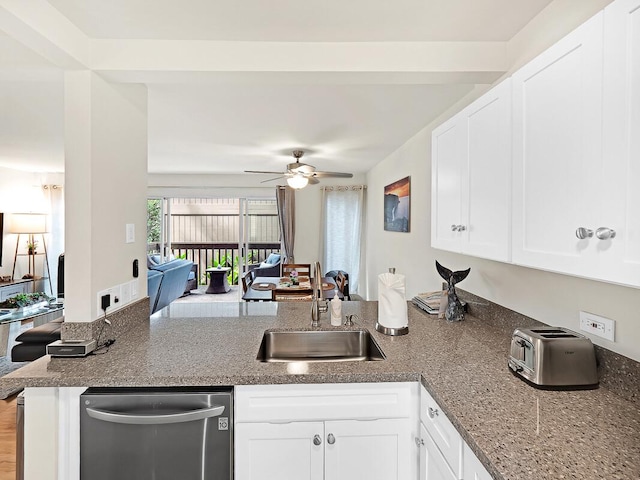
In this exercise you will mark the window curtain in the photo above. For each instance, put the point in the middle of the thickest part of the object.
(286, 200)
(342, 247)
(54, 197)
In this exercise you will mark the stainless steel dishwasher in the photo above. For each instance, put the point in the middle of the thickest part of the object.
(156, 434)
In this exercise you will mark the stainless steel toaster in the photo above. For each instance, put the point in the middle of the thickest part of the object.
(553, 357)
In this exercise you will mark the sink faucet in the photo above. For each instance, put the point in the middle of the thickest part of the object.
(318, 303)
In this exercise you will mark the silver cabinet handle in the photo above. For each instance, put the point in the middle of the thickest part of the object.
(317, 440)
(419, 442)
(583, 233)
(604, 233)
(433, 412)
(128, 419)
(331, 439)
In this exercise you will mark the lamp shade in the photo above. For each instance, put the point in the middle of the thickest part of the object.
(298, 181)
(27, 223)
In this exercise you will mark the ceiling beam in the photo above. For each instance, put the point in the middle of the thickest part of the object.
(43, 29)
(381, 62)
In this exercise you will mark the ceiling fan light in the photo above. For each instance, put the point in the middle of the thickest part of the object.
(298, 181)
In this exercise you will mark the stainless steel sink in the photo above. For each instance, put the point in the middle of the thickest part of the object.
(318, 346)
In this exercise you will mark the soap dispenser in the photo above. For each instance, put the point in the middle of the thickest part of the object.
(336, 310)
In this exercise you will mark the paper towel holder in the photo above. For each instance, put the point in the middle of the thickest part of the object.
(393, 332)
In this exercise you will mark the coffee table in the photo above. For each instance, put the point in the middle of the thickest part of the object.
(218, 282)
(10, 324)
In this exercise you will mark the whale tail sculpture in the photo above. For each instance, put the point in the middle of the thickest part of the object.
(455, 310)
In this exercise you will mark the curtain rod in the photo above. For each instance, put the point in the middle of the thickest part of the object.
(344, 188)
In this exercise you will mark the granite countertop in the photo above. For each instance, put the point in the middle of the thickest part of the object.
(518, 432)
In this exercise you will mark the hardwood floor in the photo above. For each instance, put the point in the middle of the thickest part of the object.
(8, 439)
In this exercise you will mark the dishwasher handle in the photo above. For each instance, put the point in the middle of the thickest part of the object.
(132, 419)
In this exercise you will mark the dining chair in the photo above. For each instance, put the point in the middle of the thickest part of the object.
(247, 280)
(341, 281)
(303, 269)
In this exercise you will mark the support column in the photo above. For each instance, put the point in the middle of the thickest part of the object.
(105, 189)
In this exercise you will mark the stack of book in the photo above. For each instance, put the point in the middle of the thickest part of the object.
(429, 301)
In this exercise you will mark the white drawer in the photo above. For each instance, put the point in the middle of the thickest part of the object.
(442, 431)
(289, 403)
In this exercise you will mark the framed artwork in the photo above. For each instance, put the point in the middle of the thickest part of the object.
(397, 214)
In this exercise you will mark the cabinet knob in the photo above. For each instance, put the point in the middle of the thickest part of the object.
(433, 412)
(331, 439)
(317, 440)
(583, 233)
(419, 442)
(604, 233)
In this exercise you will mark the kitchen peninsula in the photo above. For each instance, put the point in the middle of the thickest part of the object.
(516, 431)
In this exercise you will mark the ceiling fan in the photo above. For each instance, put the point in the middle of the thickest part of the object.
(299, 174)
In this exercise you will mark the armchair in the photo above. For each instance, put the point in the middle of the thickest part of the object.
(269, 268)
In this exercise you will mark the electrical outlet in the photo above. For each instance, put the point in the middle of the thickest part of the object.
(600, 326)
(125, 293)
(115, 300)
(134, 288)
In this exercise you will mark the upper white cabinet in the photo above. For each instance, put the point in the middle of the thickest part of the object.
(557, 153)
(471, 176)
(619, 189)
(572, 126)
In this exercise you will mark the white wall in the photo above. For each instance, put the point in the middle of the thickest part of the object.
(106, 174)
(551, 298)
(21, 192)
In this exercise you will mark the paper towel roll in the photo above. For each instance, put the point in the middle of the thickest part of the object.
(392, 304)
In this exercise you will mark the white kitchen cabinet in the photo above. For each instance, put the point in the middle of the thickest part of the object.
(620, 176)
(442, 431)
(433, 466)
(340, 431)
(471, 178)
(375, 450)
(283, 451)
(557, 154)
(473, 469)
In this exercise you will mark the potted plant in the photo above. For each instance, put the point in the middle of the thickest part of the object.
(24, 302)
(32, 246)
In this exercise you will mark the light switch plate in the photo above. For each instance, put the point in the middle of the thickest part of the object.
(596, 325)
(131, 233)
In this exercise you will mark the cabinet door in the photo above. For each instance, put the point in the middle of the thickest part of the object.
(440, 428)
(447, 153)
(473, 469)
(433, 466)
(375, 450)
(620, 194)
(557, 150)
(486, 189)
(282, 451)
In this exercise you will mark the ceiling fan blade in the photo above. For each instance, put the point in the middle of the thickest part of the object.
(272, 179)
(313, 181)
(332, 174)
(260, 171)
(298, 167)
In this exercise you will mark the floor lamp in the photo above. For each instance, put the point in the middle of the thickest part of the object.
(30, 224)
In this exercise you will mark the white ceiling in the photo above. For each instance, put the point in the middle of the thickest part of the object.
(249, 120)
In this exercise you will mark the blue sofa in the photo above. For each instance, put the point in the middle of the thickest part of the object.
(269, 268)
(166, 282)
